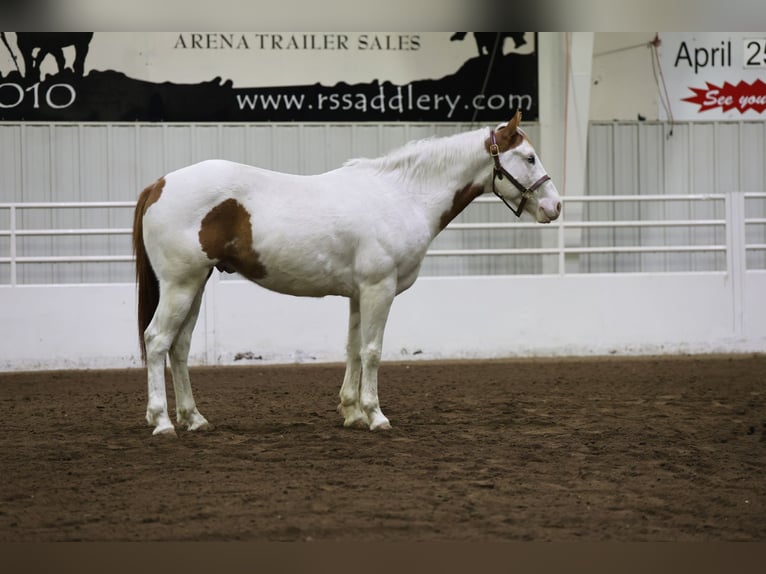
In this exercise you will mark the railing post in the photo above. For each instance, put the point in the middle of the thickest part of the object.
(735, 256)
(12, 216)
(561, 244)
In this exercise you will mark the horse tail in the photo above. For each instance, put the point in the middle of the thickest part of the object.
(146, 279)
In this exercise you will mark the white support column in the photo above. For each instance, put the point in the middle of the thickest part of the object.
(578, 111)
(566, 62)
(552, 87)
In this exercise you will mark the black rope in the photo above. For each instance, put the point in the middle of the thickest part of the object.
(657, 66)
(487, 74)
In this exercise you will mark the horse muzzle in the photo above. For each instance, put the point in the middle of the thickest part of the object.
(548, 209)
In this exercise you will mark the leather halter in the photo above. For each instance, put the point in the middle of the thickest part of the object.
(500, 171)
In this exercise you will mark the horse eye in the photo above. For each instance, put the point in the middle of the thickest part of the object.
(531, 159)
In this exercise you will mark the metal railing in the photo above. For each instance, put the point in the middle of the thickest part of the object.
(753, 221)
(562, 239)
(566, 246)
(13, 232)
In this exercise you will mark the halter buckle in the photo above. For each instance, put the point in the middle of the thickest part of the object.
(494, 150)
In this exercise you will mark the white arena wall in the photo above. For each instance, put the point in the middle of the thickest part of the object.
(665, 252)
(93, 326)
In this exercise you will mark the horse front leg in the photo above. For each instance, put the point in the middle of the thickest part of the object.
(375, 304)
(349, 407)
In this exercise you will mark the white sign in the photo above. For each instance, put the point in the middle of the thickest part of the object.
(714, 75)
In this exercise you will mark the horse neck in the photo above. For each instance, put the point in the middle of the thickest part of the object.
(460, 172)
(440, 175)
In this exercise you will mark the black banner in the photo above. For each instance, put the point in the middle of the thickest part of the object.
(489, 85)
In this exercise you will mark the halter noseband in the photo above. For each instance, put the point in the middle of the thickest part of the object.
(500, 171)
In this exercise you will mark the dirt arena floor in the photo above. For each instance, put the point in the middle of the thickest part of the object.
(638, 449)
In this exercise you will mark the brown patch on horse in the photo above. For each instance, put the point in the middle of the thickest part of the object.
(226, 235)
(461, 200)
(152, 193)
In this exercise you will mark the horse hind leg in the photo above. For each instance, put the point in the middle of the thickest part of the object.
(187, 413)
(176, 302)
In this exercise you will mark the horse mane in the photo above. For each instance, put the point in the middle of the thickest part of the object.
(422, 158)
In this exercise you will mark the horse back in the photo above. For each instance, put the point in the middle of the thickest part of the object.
(302, 235)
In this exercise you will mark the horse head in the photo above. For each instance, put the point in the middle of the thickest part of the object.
(519, 178)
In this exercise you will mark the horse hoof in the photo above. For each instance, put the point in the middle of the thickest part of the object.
(204, 427)
(381, 426)
(355, 423)
(167, 431)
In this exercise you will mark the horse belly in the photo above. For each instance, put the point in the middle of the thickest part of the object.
(307, 271)
(328, 248)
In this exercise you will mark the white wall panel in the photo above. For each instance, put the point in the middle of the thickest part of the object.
(114, 162)
(233, 144)
(286, 149)
(124, 181)
(44, 163)
(205, 141)
(340, 145)
(150, 154)
(677, 160)
(645, 158)
(470, 318)
(391, 136)
(366, 140)
(726, 155)
(313, 149)
(11, 176)
(36, 186)
(178, 146)
(704, 177)
(261, 145)
(753, 156)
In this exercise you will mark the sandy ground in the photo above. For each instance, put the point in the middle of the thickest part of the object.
(638, 449)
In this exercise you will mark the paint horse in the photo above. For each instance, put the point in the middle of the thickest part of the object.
(360, 231)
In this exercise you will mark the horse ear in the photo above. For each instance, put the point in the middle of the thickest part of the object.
(507, 135)
(515, 121)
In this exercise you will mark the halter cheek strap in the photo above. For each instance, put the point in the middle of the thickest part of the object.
(500, 172)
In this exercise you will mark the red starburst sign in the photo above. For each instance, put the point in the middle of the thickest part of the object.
(741, 97)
